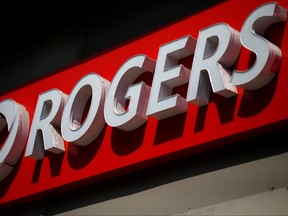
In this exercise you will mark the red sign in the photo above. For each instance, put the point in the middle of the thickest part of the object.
(205, 83)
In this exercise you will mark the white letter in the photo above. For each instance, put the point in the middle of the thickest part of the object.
(217, 48)
(46, 121)
(90, 86)
(115, 112)
(168, 75)
(17, 120)
(268, 55)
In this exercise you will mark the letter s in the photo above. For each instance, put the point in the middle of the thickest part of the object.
(268, 55)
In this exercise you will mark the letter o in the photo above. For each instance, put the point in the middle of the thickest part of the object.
(94, 86)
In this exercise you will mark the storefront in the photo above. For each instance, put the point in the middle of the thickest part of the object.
(136, 115)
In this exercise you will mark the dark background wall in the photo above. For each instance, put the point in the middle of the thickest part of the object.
(40, 38)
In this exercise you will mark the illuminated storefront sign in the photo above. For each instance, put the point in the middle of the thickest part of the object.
(98, 127)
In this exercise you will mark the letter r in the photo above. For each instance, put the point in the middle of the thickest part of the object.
(47, 117)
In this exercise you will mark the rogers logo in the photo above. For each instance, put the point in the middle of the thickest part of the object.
(215, 51)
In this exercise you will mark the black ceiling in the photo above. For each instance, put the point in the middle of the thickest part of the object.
(24, 23)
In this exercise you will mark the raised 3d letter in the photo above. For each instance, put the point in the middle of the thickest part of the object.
(168, 75)
(122, 88)
(74, 128)
(16, 118)
(217, 48)
(268, 55)
(44, 132)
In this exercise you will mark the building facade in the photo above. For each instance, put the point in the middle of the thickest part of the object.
(227, 157)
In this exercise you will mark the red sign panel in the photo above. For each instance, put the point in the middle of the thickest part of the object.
(183, 114)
